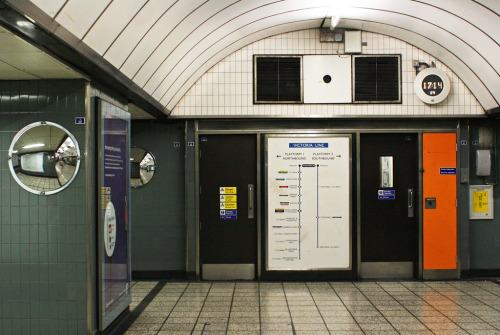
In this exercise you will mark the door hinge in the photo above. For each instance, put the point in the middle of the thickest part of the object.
(456, 147)
(200, 189)
(456, 203)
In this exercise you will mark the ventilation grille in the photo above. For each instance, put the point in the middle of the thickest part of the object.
(377, 79)
(278, 79)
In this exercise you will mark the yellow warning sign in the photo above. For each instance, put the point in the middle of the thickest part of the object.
(228, 198)
(480, 201)
(227, 190)
(228, 205)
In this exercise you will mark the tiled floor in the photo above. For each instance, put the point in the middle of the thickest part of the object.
(456, 307)
(39, 183)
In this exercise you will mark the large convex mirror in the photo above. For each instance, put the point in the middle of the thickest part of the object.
(44, 158)
(142, 167)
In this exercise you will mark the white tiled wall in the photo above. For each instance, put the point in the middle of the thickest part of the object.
(226, 89)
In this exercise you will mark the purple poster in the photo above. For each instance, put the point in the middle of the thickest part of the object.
(113, 198)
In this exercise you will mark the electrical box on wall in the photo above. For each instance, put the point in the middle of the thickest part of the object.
(327, 79)
(483, 163)
(352, 42)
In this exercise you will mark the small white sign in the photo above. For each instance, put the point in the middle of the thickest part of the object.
(79, 120)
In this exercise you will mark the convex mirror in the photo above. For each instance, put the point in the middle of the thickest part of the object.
(142, 167)
(44, 158)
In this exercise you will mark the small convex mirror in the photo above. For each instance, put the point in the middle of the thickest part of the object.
(44, 158)
(142, 167)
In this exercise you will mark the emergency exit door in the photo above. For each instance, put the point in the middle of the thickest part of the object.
(227, 203)
(389, 213)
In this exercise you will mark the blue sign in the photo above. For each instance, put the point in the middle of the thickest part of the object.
(228, 214)
(308, 145)
(447, 170)
(386, 194)
(79, 120)
(463, 142)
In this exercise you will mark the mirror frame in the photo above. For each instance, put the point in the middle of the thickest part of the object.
(21, 133)
(155, 165)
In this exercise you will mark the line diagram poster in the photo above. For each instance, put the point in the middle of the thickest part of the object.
(308, 203)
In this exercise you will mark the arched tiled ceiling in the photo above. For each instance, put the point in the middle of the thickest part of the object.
(164, 46)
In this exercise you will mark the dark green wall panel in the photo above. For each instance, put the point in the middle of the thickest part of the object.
(42, 257)
(157, 209)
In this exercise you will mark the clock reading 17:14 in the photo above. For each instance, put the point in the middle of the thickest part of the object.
(432, 85)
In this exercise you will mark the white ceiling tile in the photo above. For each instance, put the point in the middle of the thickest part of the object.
(51, 7)
(111, 23)
(136, 30)
(78, 16)
(156, 35)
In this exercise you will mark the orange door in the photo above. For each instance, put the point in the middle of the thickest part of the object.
(440, 183)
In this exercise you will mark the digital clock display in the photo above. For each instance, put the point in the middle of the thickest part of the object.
(432, 85)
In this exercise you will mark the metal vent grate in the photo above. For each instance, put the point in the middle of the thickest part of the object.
(377, 79)
(278, 79)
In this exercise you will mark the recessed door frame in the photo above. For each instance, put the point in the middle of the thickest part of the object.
(361, 126)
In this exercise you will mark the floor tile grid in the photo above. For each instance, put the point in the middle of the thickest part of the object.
(413, 313)
(297, 295)
(446, 308)
(346, 307)
(478, 327)
(309, 286)
(370, 323)
(173, 308)
(435, 318)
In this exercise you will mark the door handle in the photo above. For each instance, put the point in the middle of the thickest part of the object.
(411, 210)
(251, 210)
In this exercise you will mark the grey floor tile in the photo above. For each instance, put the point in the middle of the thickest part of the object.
(415, 332)
(334, 327)
(309, 326)
(402, 313)
(329, 319)
(244, 327)
(471, 327)
(208, 326)
(308, 319)
(410, 326)
(276, 326)
(178, 326)
(275, 319)
(402, 319)
(370, 319)
(376, 326)
(145, 326)
(381, 332)
(181, 320)
(438, 327)
(142, 319)
(243, 320)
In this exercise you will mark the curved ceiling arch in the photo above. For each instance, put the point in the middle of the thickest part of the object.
(164, 46)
